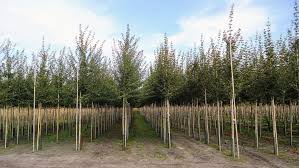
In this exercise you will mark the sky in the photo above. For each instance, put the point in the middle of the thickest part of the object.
(25, 22)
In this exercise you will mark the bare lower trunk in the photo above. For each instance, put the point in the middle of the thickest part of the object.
(80, 123)
(77, 110)
(6, 126)
(33, 122)
(218, 125)
(168, 123)
(206, 120)
(256, 127)
(275, 141)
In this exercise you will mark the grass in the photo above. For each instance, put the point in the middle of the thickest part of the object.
(140, 129)
(141, 133)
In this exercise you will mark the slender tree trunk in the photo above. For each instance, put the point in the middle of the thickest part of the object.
(218, 125)
(46, 118)
(232, 130)
(28, 124)
(126, 113)
(38, 127)
(80, 123)
(222, 122)
(260, 121)
(256, 126)
(18, 124)
(189, 120)
(6, 127)
(57, 120)
(291, 124)
(206, 120)
(233, 113)
(124, 124)
(91, 122)
(77, 110)
(275, 141)
(33, 123)
(193, 119)
(236, 130)
(168, 123)
(198, 121)
(164, 122)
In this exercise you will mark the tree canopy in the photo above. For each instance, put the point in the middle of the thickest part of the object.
(264, 68)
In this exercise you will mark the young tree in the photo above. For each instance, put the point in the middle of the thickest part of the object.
(128, 73)
(231, 42)
(129, 67)
(165, 79)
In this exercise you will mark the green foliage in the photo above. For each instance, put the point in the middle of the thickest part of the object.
(129, 67)
(56, 75)
(165, 80)
(263, 68)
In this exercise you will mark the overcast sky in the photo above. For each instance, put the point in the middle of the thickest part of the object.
(25, 22)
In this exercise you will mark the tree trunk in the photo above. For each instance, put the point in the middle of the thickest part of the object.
(77, 109)
(33, 123)
(80, 124)
(256, 127)
(6, 127)
(218, 125)
(275, 141)
(18, 124)
(168, 123)
(206, 120)
(291, 124)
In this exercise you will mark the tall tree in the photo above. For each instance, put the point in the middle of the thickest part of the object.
(129, 67)
(231, 41)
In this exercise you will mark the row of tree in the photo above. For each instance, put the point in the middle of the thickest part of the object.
(263, 69)
(56, 73)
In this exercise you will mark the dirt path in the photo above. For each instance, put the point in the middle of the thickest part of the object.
(144, 151)
(201, 153)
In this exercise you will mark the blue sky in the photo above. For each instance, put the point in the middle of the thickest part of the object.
(25, 22)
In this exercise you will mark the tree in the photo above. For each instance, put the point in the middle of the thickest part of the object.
(129, 67)
(231, 47)
(165, 80)
(43, 89)
(128, 74)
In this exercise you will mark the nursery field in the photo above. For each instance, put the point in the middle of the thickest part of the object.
(230, 99)
(144, 149)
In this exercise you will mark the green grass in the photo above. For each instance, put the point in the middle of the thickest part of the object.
(140, 128)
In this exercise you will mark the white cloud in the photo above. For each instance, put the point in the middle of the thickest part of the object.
(149, 44)
(248, 17)
(26, 22)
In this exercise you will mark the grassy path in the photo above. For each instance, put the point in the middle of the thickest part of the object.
(141, 129)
